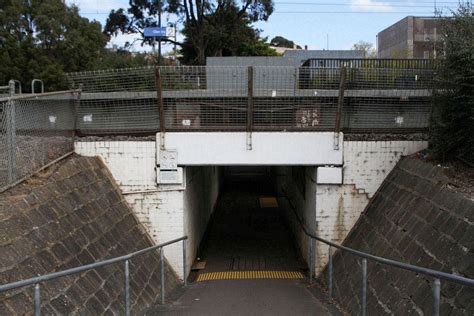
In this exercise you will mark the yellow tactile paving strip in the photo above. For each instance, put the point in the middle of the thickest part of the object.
(268, 202)
(249, 275)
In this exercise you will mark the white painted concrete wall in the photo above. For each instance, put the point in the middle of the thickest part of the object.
(295, 148)
(200, 197)
(170, 212)
(166, 211)
(367, 163)
(132, 163)
(337, 207)
(301, 198)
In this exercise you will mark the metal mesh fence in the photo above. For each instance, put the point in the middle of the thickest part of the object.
(34, 131)
(237, 98)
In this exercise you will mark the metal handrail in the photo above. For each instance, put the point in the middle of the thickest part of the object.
(33, 85)
(42, 278)
(366, 256)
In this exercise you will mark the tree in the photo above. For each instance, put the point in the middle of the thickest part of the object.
(280, 41)
(367, 48)
(44, 39)
(258, 48)
(122, 58)
(227, 36)
(205, 22)
(452, 132)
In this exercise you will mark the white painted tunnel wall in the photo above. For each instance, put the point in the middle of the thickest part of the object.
(166, 211)
(200, 197)
(334, 209)
(303, 204)
(159, 209)
(366, 165)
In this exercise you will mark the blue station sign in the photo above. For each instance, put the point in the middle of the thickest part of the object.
(154, 31)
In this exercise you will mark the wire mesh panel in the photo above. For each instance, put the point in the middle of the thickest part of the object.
(234, 98)
(375, 115)
(34, 131)
(280, 103)
(204, 98)
(387, 100)
(116, 101)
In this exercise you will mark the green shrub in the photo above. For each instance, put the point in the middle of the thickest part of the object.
(452, 132)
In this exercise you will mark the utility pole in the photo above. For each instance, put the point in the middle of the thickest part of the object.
(175, 39)
(159, 38)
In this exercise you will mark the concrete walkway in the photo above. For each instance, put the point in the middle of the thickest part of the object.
(245, 297)
(247, 237)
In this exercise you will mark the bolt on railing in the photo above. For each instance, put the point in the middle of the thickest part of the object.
(437, 275)
(125, 259)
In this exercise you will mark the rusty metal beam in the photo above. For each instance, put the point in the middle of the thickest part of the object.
(250, 106)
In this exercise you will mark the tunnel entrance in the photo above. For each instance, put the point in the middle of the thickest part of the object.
(248, 230)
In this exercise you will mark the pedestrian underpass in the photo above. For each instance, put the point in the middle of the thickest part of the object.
(248, 236)
(306, 143)
(248, 261)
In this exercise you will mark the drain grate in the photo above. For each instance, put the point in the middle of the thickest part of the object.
(249, 275)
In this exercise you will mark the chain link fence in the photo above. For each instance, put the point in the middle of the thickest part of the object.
(235, 98)
(34, 131)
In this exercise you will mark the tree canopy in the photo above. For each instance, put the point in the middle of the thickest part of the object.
(367, 48)
(280, 41)
(211, 28)
(44, 39)
(452, 133)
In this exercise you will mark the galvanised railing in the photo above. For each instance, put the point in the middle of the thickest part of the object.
(125, 259)
(437, 275)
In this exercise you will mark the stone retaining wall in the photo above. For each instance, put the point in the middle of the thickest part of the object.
(70, 215)
(415, 217)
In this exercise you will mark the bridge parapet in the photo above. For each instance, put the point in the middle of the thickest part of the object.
(204, 98)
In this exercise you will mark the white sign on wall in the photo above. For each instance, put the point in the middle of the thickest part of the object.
(168, 160)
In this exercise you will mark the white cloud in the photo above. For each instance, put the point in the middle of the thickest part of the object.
(370, 5)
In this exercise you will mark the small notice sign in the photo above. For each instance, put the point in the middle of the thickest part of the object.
(168, 160)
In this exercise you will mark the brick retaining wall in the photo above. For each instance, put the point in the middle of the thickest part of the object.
(416, 218)
(70, 215)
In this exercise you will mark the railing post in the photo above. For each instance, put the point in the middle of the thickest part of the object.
(162, 270)
(161, 106)
(340, 105)
(127, 288)
(330, 273)
(11, 140)
(76, 105)
(37, 300)
(249, 107)
(436, 296)
(364, 288)
(185, 283)
(310, 259)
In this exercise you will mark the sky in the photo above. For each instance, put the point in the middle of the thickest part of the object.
(320, 24)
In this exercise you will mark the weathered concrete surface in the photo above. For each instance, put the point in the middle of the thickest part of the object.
(73, 214)
(246, 297)
(242, 237)
(415, 218)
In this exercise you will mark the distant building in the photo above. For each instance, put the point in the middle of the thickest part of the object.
(291, 57)
(303, 55)
(411, 37)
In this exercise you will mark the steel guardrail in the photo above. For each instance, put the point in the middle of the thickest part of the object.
(437, 275)
(125, 258)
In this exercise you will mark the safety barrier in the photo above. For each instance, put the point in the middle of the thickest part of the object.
(36, 281)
